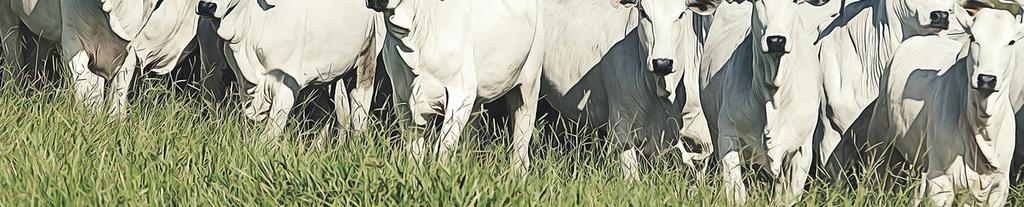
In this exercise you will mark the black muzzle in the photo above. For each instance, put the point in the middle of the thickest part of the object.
(206, 9)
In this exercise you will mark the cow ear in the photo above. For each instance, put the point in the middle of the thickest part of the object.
(265, 5)
(703, 7)
(973, 6)
(624, 3)
(1012, 6)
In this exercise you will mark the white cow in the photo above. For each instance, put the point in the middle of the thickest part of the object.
(447, 57)
(157, 33)
(278, 49)
(952, 115)
(158, 47)
(597, 75)
(854, 49)
(92, 34)
(760, 88)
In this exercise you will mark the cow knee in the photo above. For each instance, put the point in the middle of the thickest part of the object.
(940, 190)
(257, 102)
(629, 164)
(992, 190)
(427, 100)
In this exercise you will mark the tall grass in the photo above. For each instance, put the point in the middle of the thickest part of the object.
(175, 150)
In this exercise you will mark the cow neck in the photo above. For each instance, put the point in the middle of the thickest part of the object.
(647, 81)
(767, 69)
(764, 67)
(983, 133)
(971, 106)
(689, 57)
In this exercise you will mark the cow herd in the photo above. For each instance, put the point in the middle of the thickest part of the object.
(773, 86)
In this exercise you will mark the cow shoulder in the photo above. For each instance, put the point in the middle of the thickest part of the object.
(127, 17)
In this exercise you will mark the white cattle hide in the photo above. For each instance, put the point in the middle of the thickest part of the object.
(760, 89)
(854, 49)
(942, 120)
(93, 35)
(325, 40)
(446, 57)
(595, 75)
(158, 47)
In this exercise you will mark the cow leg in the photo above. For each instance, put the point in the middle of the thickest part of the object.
(835, 159)
(216, 83)
(732, 175)
(623, 137)
(34, 73)
(690, 160)
(696, 131)
(789, 187)
(215, 70)
(940, 190)
(830, 140)
(996, 192)
(362, 94)
(417, 145)
(342, 107)
(456, 114)
(283, 95)
(11, 48)
(120, 84)
(523, 106)
(629, 164)
(922, 189)
(88, 86)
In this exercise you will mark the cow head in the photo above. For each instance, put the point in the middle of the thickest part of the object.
(381, 5)
(659, 33)
(219, 8)
(993, 36)
(773, 22)
(926, 16)
(215, 8)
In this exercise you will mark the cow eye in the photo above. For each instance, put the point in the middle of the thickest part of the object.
(1013, 42)
(971, 37)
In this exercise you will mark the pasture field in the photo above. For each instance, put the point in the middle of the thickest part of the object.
(174, 149)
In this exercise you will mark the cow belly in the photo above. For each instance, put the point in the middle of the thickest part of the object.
(503, 36)
(495, 83)
(499, 66)
(318, 57)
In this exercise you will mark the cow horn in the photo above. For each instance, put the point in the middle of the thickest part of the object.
(264, 5)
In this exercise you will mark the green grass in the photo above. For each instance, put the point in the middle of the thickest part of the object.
(174, 150)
